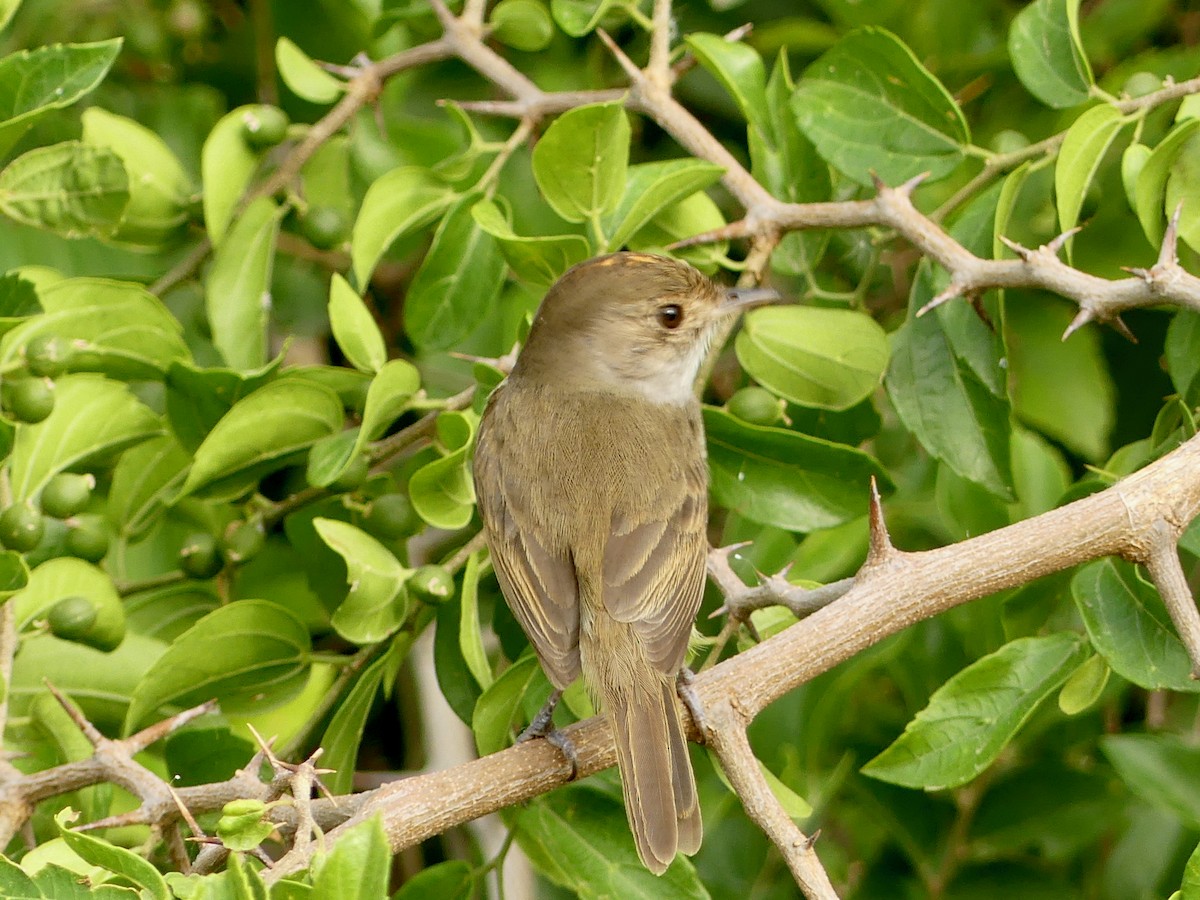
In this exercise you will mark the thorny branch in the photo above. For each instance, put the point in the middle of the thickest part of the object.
(1139, 518)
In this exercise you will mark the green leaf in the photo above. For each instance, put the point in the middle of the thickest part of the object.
(788, 165)
(1161, 769)
(1133, 160)
(447, 298)
(1183, 363)
(652, 187)
(1084, 687)
(580, 162)
(522, 24)
(33, 82)
(16, 884)
(115, 859)
(114, 327)
(358, 865)
(345, 731)
(690, 216)
(330, 457)
(1129, 626)
(18, 301)
(237, 292)
(93, 418)
(57, 579)
(1183, 185)
(470, 634)
(580, 17)
(14, 573)
(1047, 53)
(1151, 189)
(159, 188)
(950, 355)
(579, 838)
(452, 880)
(377, 602)
(396, 204)
(198, 398)
(498, 705)
(971, 718)
(354, 327)
(1085, 145)
(740, 71)
(538, 260)
(1063, 389)
(1191, 877)
(869, 106)
(145, 481)
(261, 433)
(783, 478)
(304, 77)
(227, 164)
(813, 356)
(250, 656)
(388, 396)
(441, 491)
(73, 189)
(8, 8)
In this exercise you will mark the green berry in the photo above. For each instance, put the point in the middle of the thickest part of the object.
(46, 355)
(198, 557)
(1139, 84)
(1009, 141)
(264, 126)
(21, 527)
(67, 494)
(243, 540)
(325, 227)
(432, 584)
(354, 476)
(756, 405)
(72, 618)
(88, 539)
(392, 516)
(28, 399)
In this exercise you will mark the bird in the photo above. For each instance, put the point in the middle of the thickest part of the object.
(591, 480)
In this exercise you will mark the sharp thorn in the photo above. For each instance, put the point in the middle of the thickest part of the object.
(981, 311)
(634, 73)
(952, 291)
(812, 839)
(1122, 329)
(1024, 252)
(1081, 318)
(880, 184)
(912, 184)
(880, 547)
(1147, 275)
(1168, 253)
(1059, 242)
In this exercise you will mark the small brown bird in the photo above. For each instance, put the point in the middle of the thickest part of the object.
(591, 478)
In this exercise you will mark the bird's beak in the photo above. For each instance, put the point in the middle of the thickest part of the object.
(739, 299)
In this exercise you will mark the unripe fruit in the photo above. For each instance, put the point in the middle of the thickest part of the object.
(46, 355)
(28, 399)
(392, 516)
(67, 494)
(71, 618)
(88, 539)
(198, 556)
(756, 405)
(21, 527)
(324, 227)
(243, 540)
(264, 126)
(432, 584)
(354, 476)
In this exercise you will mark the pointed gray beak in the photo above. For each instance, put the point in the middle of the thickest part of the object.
(739, 299)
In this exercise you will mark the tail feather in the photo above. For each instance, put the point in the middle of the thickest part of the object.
(656, 772)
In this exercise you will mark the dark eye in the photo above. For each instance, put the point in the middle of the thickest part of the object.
(671, 315)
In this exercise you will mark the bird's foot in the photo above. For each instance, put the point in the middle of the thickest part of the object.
(542, 726)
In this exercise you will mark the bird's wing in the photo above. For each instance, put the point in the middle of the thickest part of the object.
(538, 582)
(654, 569)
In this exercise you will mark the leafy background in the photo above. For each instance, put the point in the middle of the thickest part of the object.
(273, 394)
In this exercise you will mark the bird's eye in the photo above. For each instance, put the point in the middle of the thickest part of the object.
(670, 315)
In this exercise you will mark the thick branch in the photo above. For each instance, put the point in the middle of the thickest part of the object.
(888, 596)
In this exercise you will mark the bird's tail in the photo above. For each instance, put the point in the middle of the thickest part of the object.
(652, 754)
